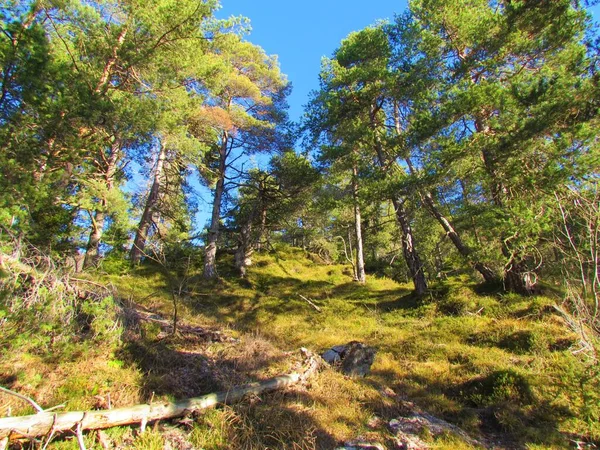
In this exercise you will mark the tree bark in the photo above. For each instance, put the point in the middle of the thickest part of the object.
(93, 247)
(139, 243)
(243, 254)
(516, 276)
(360, 260)
(210, 252)
(109, 168)
(103, 82)
(44, 423)
(411, 256)
(262, 232)
(486, 272)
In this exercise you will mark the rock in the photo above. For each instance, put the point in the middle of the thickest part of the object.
(375, 422)
(339, 348)
(331, 356)
(357, 359)
(407, 434)
(407, 430)
(360, 444)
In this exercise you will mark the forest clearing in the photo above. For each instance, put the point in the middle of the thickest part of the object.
(414, 262)
(500, 367)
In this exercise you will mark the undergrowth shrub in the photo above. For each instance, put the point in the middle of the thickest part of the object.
(42, 307)
(498, 387)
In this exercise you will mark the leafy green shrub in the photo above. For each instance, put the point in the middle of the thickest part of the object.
(101, 318)
(498, 387)
(455, 306)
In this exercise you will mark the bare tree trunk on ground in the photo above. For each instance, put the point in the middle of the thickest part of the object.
(139, 243)
(44, 423)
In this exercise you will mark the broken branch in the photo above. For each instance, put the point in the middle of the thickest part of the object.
(37, 407)
(309, 302)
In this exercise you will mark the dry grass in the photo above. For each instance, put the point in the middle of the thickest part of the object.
(498, 366)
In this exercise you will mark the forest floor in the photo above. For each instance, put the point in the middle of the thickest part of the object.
(500, 367)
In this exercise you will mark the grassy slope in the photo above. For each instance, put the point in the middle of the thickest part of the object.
(498, 366)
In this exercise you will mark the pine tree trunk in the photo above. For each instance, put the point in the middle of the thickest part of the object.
(92, 255)
(109, 167)
(262, 232)
(360, 260)
(486, 272)
(139, 243)
(210, 252)
(243, 254)
(411, 256)
(516, 276)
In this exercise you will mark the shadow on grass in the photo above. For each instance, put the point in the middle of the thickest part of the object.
(406, 302)
(240, 302)
(171, 367)
(500, 407)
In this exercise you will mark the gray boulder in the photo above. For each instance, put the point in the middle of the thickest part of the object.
(353, 359)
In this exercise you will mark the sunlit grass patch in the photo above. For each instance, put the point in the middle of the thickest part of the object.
(490, 363)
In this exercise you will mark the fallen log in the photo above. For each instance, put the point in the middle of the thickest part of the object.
(44, 423)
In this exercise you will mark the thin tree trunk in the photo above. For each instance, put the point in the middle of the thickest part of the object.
(243, 254)
(93, 247)
(486, 272)
(103, 82)
(516, 276)
(98, 221)
(262, 231)
(411, 256)
(11, 57)
(210, 252)
(139, 243)
(360, 260)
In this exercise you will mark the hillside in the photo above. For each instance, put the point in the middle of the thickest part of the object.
(501, 367)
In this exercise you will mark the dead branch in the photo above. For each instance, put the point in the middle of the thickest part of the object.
(43, 423)
(167, 326)
(346, 254)
(310, 303)
(37, 407)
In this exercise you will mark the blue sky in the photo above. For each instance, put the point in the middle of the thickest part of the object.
(301, 32)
